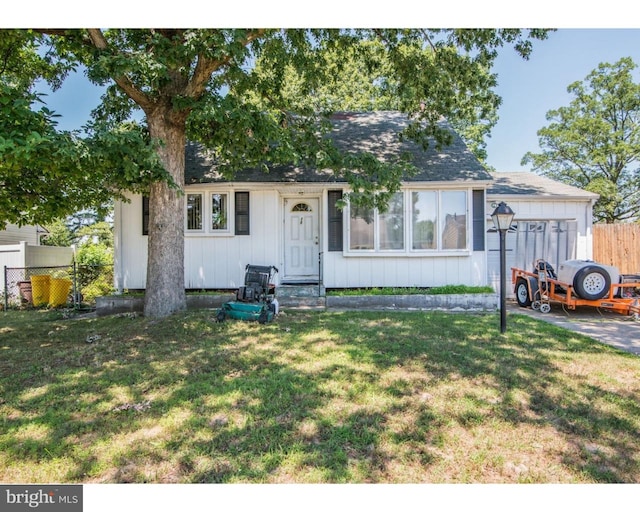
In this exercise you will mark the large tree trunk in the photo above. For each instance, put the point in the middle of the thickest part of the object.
(165, 292)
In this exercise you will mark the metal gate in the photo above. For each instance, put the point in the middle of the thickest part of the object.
(528, 240)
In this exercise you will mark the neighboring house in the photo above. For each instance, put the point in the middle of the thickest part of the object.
(434, 232)
(20, 249)
(13, 234)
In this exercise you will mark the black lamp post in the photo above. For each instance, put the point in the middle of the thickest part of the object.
(502, 217)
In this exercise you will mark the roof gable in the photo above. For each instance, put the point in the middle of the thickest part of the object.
(372, 132)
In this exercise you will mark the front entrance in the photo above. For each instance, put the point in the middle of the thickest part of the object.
(301, 239)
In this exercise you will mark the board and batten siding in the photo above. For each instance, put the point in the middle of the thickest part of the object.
(399, 271)
(218, 260)
(212, 261)
(522, 250)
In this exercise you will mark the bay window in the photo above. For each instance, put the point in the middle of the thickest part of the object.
(416, 221)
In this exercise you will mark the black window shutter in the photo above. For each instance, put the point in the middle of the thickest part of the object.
(478, 220)
(242, 213)
(335, 221)
(145, 215)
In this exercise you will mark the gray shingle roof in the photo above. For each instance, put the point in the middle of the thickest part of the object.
(530, 184)
(373, 132)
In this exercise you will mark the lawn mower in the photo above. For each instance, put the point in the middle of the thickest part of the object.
(256, 300)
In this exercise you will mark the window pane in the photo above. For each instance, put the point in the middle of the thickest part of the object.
(361, 229)
(391, 224)
(194, 211)
(424, 220)
(219, 211)
(453, 220)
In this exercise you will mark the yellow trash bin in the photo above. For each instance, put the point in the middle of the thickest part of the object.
(59, 291)
(40, 289)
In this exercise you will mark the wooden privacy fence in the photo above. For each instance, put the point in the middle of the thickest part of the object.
(617, 245)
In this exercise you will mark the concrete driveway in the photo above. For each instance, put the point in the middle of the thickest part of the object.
(619, 331)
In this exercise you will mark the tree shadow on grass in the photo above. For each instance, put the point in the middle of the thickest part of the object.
(308, 398)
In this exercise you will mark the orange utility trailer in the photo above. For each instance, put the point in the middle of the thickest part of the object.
(542, 287)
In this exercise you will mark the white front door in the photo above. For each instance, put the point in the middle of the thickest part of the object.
(301, 239)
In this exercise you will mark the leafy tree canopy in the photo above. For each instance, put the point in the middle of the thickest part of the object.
(594, 143)
(229, 90)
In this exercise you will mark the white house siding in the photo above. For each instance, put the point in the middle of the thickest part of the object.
(212, 261)
(14, 234)
(217, 261)
(425, 271)
(576, 213)
(130, 246)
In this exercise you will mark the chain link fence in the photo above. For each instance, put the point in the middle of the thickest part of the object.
(71, 286)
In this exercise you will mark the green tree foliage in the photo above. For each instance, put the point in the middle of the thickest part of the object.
(203, 85)
(594, 143)
(58, 235)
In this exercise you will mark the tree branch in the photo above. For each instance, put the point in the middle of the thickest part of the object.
(205, 67)
(101, 43)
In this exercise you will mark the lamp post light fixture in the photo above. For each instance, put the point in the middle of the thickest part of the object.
(502, 217)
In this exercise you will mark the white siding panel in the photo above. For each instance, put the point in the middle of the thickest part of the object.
(578, 241)
(355, 272)
(14, 234)
(219, 261)
(130, 246)
(211, 260)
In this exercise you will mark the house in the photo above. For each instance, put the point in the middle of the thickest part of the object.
(434, 232)
(13, 234)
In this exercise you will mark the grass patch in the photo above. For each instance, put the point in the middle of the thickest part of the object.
(320, 397)
(436, 290)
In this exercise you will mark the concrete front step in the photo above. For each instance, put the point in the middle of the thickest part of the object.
(299, 290)
(301, 302)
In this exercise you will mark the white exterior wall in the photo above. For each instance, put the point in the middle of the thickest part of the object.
(14, 234)
(418, 271)
(211, 260)
(130, 246)
(537, 209)
(217, 261)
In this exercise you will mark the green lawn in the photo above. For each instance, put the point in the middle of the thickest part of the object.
(313, 397)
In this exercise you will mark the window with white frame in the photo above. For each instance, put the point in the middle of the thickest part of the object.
(415, 221)
(194, 212)
(211, 212)
(219, 212)
(361, 229)
(391, 225)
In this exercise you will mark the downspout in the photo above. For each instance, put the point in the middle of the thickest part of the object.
(117, 245)
(589, 230)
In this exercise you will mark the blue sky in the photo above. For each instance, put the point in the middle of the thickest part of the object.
(529, 89)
